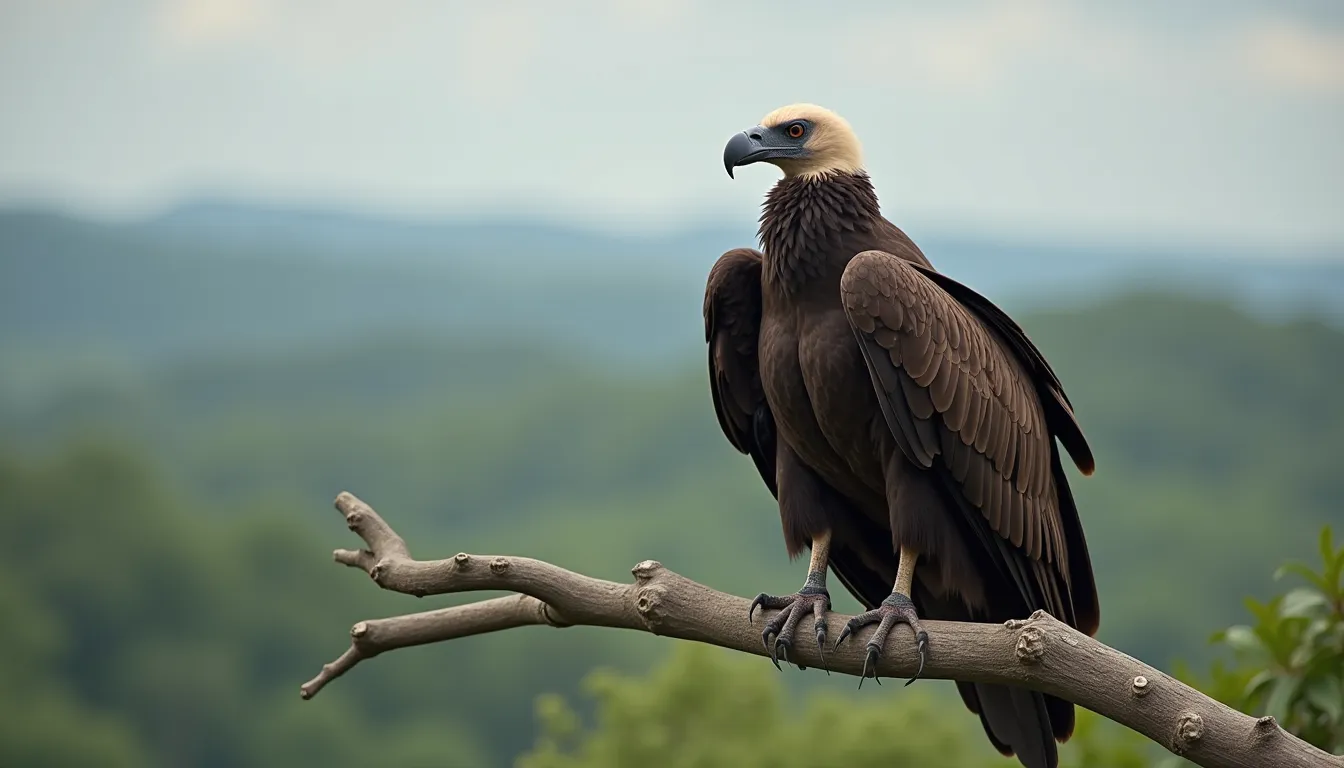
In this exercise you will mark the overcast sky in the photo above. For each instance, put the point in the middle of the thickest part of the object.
(1210, 121)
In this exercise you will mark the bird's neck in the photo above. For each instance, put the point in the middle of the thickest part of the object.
(807, 221)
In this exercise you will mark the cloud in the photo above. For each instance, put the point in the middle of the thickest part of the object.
(949, 49)
(1214, 117)
(205, 23)
(992, 44)
(1286, 53)
(496, 53)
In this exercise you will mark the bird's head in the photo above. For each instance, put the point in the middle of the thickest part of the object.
(802, 139)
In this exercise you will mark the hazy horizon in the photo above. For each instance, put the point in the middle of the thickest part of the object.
(1204, 123)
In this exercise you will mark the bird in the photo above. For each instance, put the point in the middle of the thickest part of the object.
(908, 428)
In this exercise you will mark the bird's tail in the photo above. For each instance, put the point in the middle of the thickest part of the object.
(1020, 721)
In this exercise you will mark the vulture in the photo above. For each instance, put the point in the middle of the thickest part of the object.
(905, 425)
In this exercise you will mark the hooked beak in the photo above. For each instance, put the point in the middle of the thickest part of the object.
(757, 144)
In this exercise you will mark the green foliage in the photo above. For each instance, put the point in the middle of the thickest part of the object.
(140, 636)
(1290, 663)
(166, 583)
(709, 708)
(523, 444)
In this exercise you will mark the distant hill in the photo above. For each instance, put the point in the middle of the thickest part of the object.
(190, 392)
(219, 275)
(1213, 432)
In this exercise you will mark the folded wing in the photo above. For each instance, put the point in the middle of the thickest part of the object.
(732, 312)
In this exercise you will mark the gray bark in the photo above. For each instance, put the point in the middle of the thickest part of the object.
(1039, 652)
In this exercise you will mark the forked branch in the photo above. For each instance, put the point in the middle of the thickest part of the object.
(1040, 652)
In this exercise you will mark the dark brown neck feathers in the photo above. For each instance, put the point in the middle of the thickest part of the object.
(806, 222)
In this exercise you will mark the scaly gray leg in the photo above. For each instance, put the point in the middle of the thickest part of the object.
(898, 608)
(812, 596)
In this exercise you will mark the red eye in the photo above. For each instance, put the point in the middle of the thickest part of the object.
(796, 130)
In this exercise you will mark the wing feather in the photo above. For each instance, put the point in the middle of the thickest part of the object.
(732, 312)
(965, 391)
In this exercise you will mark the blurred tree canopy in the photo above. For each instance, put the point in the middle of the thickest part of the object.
(141, 636)
(709, 708)
(166, 581)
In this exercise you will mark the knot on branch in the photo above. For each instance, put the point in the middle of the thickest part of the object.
(1140, 687)
(1030, 645)
(461, 560)
(359, 630)
(499, 565)
(646, 570)
(379, 573)
(1265, 728)
(649, 603)
(1189, 730)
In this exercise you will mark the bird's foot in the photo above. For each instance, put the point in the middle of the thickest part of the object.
(811, 598)
(896, 609)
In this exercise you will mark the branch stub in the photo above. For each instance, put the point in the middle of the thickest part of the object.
(1189, 730)
(1265, 728)
(649, 603)
(646, 569)
(1140, 686)
(1030, 645)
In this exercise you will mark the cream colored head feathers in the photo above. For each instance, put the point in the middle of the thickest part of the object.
(832, 146)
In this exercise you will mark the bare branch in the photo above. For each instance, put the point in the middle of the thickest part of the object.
(1040, 652)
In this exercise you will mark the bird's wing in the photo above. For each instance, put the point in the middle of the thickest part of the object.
(732, 324)
(965, 401)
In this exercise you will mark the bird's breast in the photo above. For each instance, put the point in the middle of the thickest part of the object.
(818, 387)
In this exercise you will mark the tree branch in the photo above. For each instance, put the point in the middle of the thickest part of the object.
(1040, 652)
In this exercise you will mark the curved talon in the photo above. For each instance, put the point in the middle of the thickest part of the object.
(870, 658)
(778, 633)
(922, 642)
(759, 601)
(845, 632)
(821, 644)
(896, 609)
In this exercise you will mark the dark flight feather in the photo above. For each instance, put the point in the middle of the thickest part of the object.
(732, 311)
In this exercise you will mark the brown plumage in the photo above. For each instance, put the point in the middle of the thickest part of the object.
(905, 424)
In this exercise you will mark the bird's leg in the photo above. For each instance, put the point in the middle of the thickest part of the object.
(813, 596)
(898, 608)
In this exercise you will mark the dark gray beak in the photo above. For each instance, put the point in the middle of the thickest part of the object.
(757, 144)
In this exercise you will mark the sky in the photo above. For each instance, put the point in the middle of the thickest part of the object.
(1215, 121)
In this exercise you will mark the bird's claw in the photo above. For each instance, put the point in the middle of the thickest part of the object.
(780, 648)
(922, 643)
(870, 659)
(821, 642)
(896, 609)
(758, 601)
(783, 626)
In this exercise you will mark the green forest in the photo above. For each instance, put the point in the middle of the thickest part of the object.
(167, 582)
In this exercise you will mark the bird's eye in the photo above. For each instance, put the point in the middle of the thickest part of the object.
(796, 130)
